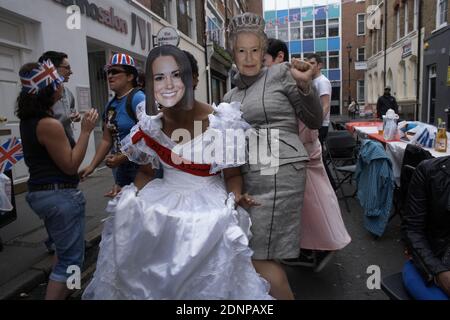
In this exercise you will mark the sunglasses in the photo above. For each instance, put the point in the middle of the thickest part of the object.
(114, 72)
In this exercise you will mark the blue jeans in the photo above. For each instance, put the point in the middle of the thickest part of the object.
(63, 214)
(417, 287)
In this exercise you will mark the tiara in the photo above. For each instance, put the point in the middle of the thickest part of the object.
(247, 20)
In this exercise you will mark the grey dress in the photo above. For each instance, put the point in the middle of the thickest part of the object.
(271, 100)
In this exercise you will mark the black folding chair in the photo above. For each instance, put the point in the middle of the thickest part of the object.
(341, 155)
(393, 287)
(413, 156)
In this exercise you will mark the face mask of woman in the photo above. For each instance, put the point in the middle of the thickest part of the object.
(168, 85)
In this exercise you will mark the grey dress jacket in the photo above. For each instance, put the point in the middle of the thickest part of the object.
(272, 100)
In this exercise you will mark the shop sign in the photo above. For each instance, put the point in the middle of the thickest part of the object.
(360, 65)
(168, 35)
(142, 28)
(99, 14)
(407, 50)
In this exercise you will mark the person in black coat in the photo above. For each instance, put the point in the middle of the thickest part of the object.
(426, 227)
(386, 102)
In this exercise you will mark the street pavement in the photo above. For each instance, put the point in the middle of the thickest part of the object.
(25, 263)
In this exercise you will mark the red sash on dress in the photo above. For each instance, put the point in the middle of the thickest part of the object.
(166, 155)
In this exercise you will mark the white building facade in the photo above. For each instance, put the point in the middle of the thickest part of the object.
(29, 28)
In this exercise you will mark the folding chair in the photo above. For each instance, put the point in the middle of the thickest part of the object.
(413, 156)
(393, 287)
(341, 155)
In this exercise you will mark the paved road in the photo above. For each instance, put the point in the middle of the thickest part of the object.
(344, 277)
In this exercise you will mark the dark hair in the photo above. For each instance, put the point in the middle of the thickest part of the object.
(186, 76)
(141, 79)
(55, 57)
(314, 56)
(34, 105)
(133, 71)
(274, 46)
(193, 62)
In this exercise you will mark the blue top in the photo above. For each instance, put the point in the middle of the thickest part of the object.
(123, 121)
(375, 181)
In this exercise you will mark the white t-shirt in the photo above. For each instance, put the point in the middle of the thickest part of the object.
(323, 87)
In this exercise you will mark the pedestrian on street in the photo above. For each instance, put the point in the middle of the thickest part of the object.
(53, 159)
(386, 102)
(322, 230)
(323, 87)
(118, 119)
(426, 229)
(272, 100)
(353, 108)
(182, 236)
(64, 109)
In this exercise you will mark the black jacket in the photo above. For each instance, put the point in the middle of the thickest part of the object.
(426, 221)
(384, 103)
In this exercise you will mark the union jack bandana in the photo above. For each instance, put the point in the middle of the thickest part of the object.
(120, 59)
(41, 77)
(10, 153)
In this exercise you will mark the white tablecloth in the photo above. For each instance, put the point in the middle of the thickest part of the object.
(395, 151)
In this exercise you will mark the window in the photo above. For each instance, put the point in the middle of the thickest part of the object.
(406, 17)
(405, 82)
(185, 16)
(441, 14)
(214, 31)
(283, 34)
(321, 28)
(416, 14)
(361, 21)
(308, 30)
(333, 60)
(397, 20)
(323, 55)
(162, 9)
(361, 91)
(271, 33)
(333, 27)
(295, 31)
(361, 54)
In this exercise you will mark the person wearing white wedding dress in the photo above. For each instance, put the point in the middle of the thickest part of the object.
(183, 236)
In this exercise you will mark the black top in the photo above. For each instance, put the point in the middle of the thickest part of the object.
(384, 103)
(426, 221)
(42, 168)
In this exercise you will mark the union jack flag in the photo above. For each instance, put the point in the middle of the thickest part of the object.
(123, 59)
(41, 77)
(10, 153)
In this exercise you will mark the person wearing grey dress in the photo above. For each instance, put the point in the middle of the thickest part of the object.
(271, 101)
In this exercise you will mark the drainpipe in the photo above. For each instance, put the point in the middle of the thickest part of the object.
(419, 58)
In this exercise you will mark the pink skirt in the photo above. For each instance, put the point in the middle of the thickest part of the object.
(322, 227)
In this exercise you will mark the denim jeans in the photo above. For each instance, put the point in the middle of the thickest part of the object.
(63, 214)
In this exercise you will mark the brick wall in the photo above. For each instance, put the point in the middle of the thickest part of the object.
(349, 35)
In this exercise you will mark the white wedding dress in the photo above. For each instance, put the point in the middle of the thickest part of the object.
(179, 237)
